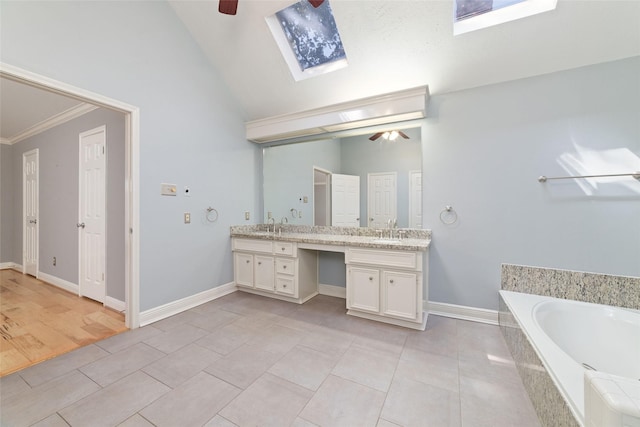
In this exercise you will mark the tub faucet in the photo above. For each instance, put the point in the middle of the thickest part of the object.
(273, 221)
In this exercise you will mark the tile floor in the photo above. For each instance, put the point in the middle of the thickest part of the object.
(251, 361)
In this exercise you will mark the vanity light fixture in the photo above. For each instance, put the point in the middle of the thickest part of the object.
(409, 104)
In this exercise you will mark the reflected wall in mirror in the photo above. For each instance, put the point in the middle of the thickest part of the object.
(350, 181)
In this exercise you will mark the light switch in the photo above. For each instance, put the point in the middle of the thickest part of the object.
(187, 218)
(247, 216)
(168, 189)
(305, 199)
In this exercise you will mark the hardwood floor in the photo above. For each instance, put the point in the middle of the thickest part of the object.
(41, 321)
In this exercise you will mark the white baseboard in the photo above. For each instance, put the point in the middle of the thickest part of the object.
(178, 306)
(462, 312)
(115, 304)
(10, 265)
(61, 283)
(332, 291)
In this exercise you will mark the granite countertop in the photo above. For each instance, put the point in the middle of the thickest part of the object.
(416, 240)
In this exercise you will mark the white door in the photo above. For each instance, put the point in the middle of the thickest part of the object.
(92, 224)
(345, 200)
(382, 198)
(415, 199)
(30, 212)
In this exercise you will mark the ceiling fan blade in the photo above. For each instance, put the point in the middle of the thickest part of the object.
(375, 136)
(316, 3)
(228, 7)
(402, 134)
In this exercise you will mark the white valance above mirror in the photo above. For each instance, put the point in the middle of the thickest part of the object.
(393, 107)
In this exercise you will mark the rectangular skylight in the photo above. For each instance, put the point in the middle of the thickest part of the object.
(308, 39)
(471, 15)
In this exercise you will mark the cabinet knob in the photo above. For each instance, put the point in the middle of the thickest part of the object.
(284, 286)
(259, 262)
(371, 278)
(391, 281)
(248, 261)
(284, 267)
(282, 249)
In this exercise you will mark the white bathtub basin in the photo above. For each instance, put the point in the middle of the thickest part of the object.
(565, 334)
(605, 338)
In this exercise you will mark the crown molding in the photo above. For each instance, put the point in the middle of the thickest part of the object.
(5, 141)
(51, 122)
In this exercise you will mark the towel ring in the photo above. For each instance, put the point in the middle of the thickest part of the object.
(448, 216)
(212, 214)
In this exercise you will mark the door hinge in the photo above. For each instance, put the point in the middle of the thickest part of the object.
(103, 277)
(103, 149)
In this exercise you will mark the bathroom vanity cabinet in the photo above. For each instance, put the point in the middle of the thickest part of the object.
(385, 285)
(384, 278)
(275, 269)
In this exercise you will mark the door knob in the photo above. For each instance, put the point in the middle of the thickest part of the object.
(80, 225)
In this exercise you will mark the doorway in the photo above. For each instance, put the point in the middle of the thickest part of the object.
(321, 196)
(382, 198)
(92, 225)
(132, 150)
(30, 208)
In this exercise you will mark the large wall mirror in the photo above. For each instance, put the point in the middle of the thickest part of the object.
(346, 181)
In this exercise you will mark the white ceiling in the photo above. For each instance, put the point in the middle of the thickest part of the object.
(394, 44)
(391, 45)
(22, 107)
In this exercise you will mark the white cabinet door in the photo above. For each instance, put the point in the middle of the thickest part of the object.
(400, 294)
(363, 289)
(264, 274)
(243, 264)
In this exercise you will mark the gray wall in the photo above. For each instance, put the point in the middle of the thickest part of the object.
(483, 151)
(360, 156)
(6, 204)
(58, 157)
(288, 176)
(191, 129)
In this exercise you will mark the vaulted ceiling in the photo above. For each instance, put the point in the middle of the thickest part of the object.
(390, 45)
(395, 44)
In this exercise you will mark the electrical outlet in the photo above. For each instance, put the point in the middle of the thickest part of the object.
(247, 216)
(305, 199)
(187, 218)
(54, 261)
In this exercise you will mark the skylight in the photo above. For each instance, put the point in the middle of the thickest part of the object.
(471, 15)
(308, 39)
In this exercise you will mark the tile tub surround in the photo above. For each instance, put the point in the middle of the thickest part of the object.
(595, 288)
(619, 291)
(268, 362)
(549, 404)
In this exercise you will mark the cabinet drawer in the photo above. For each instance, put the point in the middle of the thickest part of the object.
(285, 285)
(264, 246)
(285, 266)
(283, 248)
(399, 259)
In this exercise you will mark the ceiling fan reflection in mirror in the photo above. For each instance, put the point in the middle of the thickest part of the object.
(389, 135)
(230, 7)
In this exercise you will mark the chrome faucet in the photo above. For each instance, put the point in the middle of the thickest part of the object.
(284, 220)
(391, 224)
(273, 221)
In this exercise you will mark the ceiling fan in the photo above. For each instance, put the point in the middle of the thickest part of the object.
(389, 135)
(230, 7)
